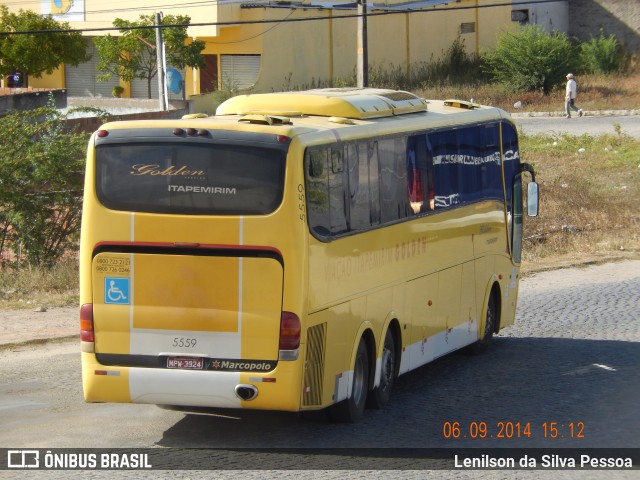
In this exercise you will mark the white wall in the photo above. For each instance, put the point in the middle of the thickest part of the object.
(552, 16)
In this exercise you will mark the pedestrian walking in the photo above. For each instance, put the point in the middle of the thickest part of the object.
(570, 97)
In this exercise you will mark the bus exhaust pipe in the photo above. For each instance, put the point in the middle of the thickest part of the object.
(246, 392)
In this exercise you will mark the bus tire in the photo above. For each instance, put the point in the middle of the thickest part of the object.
(351, 409)
(482, 345)
(380, 395)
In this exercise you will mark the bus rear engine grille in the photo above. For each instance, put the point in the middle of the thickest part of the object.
(314, 365)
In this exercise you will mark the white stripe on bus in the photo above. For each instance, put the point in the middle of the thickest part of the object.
(426, 350)
(169, 387)
(240, 263)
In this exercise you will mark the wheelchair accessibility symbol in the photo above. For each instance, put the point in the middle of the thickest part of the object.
(116, 290)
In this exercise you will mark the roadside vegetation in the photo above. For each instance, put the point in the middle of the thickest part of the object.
(590, 191)
(41, 178)
(590, 186)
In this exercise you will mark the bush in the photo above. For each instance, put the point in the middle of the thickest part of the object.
(41, 175)
(530, 59)
(117, 91)
(454, 67)
(601, 55)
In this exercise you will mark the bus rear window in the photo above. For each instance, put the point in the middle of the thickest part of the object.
(200, 179)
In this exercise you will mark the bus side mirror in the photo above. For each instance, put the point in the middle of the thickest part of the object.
(532, 199)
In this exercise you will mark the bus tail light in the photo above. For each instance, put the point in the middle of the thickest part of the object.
(289, 336)
(86, 323)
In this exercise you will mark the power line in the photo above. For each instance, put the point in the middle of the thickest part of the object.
(281, 20)
(203, 3)
(181, 5)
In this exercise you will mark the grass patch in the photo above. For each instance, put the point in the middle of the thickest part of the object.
(35, 287)
(589, 197)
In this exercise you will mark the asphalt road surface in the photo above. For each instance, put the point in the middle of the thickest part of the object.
(590, 125)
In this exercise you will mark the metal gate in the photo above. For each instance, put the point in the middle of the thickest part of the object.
(81, 81)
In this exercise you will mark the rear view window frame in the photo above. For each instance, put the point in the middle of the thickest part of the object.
(164, 206)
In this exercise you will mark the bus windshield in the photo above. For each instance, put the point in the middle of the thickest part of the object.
(200, 179)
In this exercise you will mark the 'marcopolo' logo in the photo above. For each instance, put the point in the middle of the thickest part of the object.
(243, 365)
(23, 459)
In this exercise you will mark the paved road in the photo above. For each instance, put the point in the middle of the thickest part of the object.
(589, 124)
(572, 357)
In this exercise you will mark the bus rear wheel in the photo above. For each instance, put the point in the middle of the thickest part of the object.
(351, 409)
(380, 395)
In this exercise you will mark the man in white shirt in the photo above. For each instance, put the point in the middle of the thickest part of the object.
(570, 97)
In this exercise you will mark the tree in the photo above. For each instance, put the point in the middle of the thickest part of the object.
(41, 177)
(36, 53)
(133, 55)
(530, 59)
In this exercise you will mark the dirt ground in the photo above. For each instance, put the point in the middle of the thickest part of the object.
(29, 326)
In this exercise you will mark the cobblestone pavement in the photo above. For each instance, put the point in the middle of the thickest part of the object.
(573, 356)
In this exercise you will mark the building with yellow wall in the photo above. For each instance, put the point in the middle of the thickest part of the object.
(271, 45)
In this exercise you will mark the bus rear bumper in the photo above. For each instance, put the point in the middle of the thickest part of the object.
(276, 390)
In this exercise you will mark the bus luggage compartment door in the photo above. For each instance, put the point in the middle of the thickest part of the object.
(149, 307)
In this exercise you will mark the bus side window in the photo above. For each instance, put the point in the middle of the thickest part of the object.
(361, 211)
(374, 181)
(392, 167)
(327, 191)
(419, 175)
(338, 192)
(431, 191)
(326, 186)
(317, 191)
(491, 174)
(444, 148)
(466, 165)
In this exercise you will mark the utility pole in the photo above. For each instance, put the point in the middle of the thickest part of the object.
(160, 61)
(362, 62)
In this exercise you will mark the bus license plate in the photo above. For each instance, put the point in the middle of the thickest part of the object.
(185, 363)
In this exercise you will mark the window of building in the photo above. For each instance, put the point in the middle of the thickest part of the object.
(520, 16)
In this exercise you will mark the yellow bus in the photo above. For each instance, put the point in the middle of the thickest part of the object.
(296, 251)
